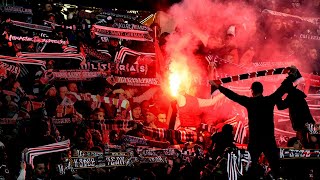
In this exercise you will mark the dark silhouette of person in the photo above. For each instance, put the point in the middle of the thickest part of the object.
(299, 113)
(221, 141)
(261, 123)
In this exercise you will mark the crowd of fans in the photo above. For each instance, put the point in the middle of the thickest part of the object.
(32, 103)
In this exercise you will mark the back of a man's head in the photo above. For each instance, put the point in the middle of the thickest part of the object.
(257, 88)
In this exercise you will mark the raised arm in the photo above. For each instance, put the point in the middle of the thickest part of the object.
(242, 100)
(285, 86)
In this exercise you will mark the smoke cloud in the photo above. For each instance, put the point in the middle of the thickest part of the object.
(257, 35)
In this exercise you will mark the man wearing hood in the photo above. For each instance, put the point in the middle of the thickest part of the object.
(299, 113)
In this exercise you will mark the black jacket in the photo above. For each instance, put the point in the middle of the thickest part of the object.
(260, 111)
(298, 108)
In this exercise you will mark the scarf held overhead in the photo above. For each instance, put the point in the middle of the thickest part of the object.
(122, 33)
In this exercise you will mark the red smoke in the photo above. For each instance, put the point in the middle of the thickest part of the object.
(202, 25)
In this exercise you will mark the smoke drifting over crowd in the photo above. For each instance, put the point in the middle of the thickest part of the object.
(245, 37)
(204, 26)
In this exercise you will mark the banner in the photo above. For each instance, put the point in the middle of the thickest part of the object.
(144, 142)
(131, 26)
(287, 153)
(97, 98)
(116, 68)
(313, 128)
(309, 37)
(94, 53)
(312, 20)
(83, 162)
(131, 81)
(124, 52)
(16, 10)
(121, 33)
(125, 16)
(46, 56)
(8, 121)
(81, 153)
(31, 26)
(10, 68)
(36, 40)
(20, 66)
(77, 75)
(29, 155)
(121, 159)
(62, 121)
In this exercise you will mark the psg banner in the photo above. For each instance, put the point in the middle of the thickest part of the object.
(128, 34)
(16, 10)
(77, 75)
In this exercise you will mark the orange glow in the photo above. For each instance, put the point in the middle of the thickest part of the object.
(179, 78)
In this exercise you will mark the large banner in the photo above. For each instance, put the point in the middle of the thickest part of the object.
(128, 34)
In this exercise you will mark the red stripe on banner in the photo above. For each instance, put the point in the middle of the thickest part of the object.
(235, 78)
(270, 72)
(253, 74)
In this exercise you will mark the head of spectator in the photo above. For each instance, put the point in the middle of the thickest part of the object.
(31, 47)
(50, 64)
(98, 114)
(15, 86)
(72, 87)
(227, 129)
(136, 111)
(161, 120)
(41, 168)
(151, 116)
(215, 42)
(144, 107)
(63, 91)
(230, 36)
(276, 25)
(162, 117)
(50, 91)
(84, 139)
(295, 143)
(124, 114)
(47, 7)
(113, 42)
(51, 18)
(256, 89)
(295, 45)
(312, 55)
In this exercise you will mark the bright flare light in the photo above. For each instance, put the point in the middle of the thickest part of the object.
(179, 78)
(175, 81)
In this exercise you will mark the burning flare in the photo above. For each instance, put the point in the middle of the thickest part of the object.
(179, 78)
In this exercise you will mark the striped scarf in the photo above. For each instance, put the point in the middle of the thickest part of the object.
(181, 135)
(124, 51)
(29, 155)
(42, 56)
(127, 34)
(313, 128)
(240, 132)
(95, 98)
(31, 26)
(20, 62)
(234, 164)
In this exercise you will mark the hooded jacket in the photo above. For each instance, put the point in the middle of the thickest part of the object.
(299, 111)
